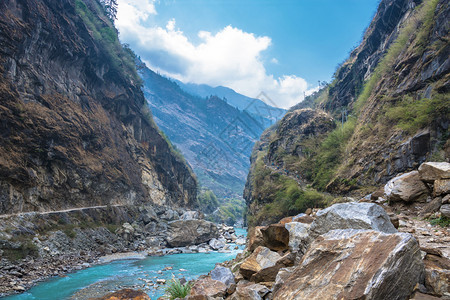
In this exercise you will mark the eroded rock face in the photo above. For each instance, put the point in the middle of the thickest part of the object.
(190, 232)
(437, 274)
(431, 171)
(356, 264)
(406, 187)
(352, 215)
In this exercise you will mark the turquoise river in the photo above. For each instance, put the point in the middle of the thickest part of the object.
(135, 273)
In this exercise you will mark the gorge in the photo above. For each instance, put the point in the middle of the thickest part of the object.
(105, 164)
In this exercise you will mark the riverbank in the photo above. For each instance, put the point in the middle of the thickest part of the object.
(37, 246)
(128, 270)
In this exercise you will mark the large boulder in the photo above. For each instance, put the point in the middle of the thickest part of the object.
(441, 187)
(260, 259)
(263, 265)
(275, 237)
(216, 244)
(406, 187)
(190, 232)
(249, 291)
(352, 215)
(223, 274)
(356, 264)
(126, 294)
(299, 236)
(431, 171)
(208, 287)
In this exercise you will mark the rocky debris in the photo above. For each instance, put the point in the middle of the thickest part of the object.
(209, 287)
(407, 187)
(369, 264)
(249, 291)
(126, 294)
(223, 274)
(352, 215)
(190, 232)
(437, 274)
(431, 171)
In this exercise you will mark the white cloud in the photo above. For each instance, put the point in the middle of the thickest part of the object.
(230, 57)
(274, 60)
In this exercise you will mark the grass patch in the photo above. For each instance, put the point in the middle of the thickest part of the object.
(442, 221)
(411, 115)
(175, 289)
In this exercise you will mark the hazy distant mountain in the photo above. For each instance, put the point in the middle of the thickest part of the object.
(265, 112)
(215, 137)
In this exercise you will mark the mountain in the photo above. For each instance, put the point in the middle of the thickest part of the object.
(386, 112)
(215, 137)
(75, 127)
(266, 113)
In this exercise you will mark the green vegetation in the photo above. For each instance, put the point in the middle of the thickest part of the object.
(411, 115)
(330, 154)
(175, 289)
(229, 212)
(121, 60)
(281, 195)
(442, 221)
(417, 28)
(207, 201)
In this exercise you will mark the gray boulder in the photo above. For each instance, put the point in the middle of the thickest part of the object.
(406, 187)
(191, 215)
(183, 233)
(223, 274)
(216, 244)
(445, 210)
(352, 215)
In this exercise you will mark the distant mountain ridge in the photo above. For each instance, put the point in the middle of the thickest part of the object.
(263, 108)
(215, 136)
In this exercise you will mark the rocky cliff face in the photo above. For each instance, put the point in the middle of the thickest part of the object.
(74, 131)
(390, 102)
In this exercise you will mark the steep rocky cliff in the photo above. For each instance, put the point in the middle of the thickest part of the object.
(75, 130)
(390, 102)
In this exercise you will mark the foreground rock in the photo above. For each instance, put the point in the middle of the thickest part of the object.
(352, 215)
(356, 264)
(223, 274)
(407, 187)
(190, 232)
(208, 287)
(126, 294)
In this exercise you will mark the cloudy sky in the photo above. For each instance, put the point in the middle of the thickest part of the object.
(281, 47)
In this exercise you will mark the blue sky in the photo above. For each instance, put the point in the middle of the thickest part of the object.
(281, 47)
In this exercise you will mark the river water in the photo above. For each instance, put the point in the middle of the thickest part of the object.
(137, 274)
